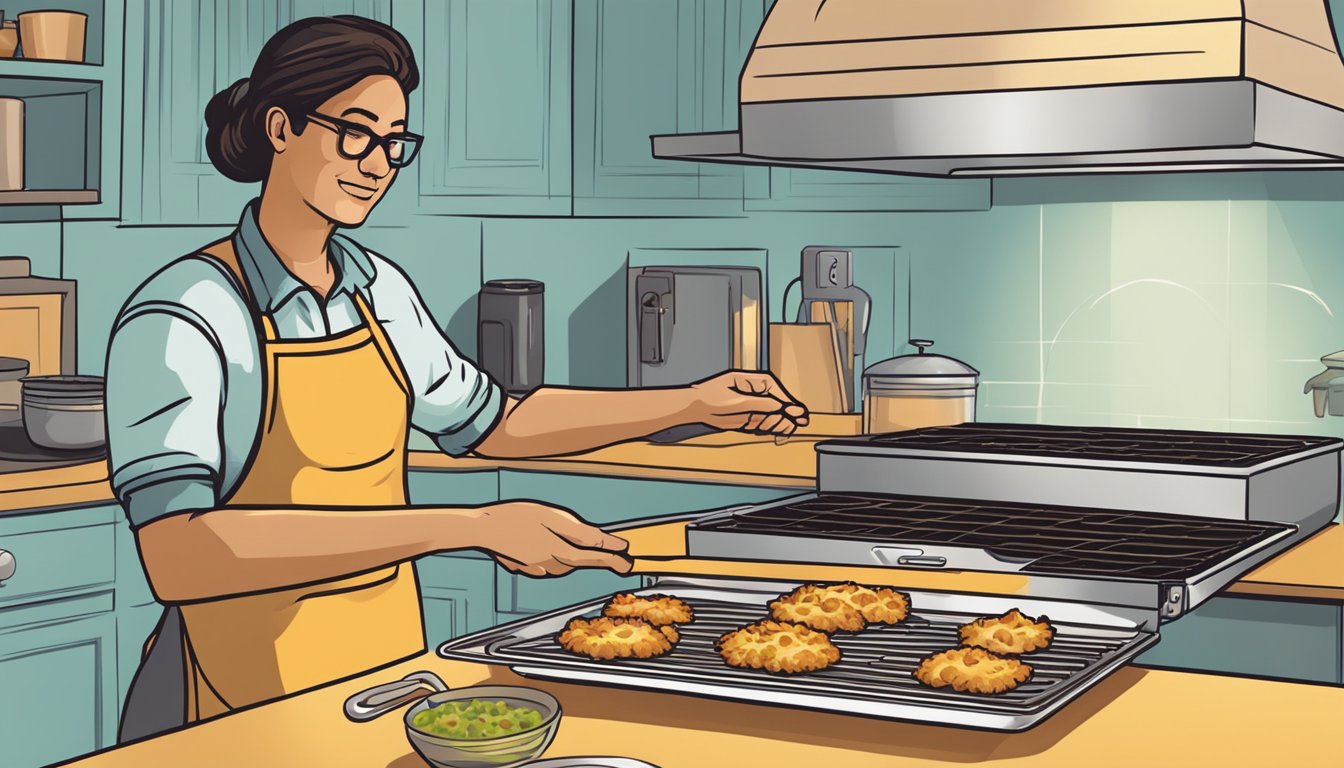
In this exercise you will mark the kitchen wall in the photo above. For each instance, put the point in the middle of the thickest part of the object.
(1187, 301)
(1176, 301)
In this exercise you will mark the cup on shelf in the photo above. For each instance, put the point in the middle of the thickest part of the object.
(53, 35)
(9, 38)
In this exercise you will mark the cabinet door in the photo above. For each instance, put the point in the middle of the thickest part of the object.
(493, 104)
(603, 500)
(458, 595)
(1231, 635)
(179, 55)
(57, 690)
(57, 555)
(644, 67)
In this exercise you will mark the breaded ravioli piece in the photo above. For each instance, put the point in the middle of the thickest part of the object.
(1010, 633)
(820, 607)
(658, 610)
(846, 607)
(607, 638)
(972, 670)
(778, 647)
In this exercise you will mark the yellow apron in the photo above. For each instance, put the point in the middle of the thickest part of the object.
(333, 434)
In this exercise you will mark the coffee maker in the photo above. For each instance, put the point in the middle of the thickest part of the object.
(830, 297)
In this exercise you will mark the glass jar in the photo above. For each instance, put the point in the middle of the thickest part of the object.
(919, 390)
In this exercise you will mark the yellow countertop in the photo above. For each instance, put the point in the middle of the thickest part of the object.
(1308, 571)
(1135, 716)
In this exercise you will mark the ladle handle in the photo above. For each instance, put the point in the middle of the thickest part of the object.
(380, 699)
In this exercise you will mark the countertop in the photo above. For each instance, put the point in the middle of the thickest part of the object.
(1310, 570)
(1142, 716)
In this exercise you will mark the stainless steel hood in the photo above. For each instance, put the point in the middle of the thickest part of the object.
(977, 88)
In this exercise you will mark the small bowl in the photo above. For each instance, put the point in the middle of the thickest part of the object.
(494, 752)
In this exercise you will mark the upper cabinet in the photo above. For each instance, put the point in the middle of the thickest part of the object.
(644, 67)
(528, 108)
(179, 55)
(493, 104)
(69, 107)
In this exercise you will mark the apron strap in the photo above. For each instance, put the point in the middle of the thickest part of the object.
(383, 343)
(224, 252)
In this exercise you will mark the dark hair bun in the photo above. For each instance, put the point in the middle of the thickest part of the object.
(299, 68)
(232, 135)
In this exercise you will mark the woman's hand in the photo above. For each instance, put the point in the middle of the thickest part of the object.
(540, 540)
(749, 401)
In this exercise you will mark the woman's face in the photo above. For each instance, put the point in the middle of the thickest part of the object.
(337, 187)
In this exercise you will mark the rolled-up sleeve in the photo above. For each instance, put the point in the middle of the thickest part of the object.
(165, 387)
(456, 403)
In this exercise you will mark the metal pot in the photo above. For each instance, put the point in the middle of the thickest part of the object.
(919, 390)
(64, 412)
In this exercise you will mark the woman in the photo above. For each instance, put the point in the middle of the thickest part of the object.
(260, 392)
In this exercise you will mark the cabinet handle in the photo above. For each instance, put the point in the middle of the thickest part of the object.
(8, 564)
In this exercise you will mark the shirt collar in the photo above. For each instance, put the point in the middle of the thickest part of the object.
(273, 285)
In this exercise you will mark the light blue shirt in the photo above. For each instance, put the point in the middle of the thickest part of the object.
(184, 383)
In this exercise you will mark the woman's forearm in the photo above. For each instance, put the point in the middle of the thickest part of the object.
(236, 551)
(553, 421)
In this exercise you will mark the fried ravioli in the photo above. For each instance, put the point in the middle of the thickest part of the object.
(972, 670)
(658, 610)
(1010, 633)
(778, 647)
(845, 607)
(607, 638)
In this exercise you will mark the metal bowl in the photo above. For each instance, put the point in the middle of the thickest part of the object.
(494, 752)
(64, 412)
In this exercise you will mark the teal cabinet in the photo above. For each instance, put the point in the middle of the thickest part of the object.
(645, 67)
(493, 104)
(1257, 637)
(46, 666)
(458, 594)
(603, 500)
(807, 189)
(179, 55)
(57, 555)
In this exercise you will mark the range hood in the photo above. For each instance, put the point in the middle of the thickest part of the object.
(1034, 87)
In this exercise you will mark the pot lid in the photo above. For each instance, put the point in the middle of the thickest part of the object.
(513, 286)
(63, 384)
(13, 364)
(921, 365)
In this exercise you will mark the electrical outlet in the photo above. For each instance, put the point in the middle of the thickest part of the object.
(834, 269)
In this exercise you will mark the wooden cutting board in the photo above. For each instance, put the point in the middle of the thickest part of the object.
(803, 358)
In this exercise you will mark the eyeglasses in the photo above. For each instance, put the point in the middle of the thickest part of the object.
(356, 142)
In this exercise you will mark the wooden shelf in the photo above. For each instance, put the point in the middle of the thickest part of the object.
(49, 197)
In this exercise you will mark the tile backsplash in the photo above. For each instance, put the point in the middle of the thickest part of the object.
(1193, 302)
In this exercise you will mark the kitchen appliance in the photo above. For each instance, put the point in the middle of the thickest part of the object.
(12, 369)
(64, 412)
(38, 318)
(979, 88)
(53, 35)
(919, 390)
(511, 333)
(686, 323)
(1108, 532)
(830, 298)
(11, 144)
(1327, 387)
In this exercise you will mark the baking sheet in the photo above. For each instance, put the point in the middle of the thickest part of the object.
(873, 678)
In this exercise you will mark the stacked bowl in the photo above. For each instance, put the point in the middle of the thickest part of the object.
(64, 412)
